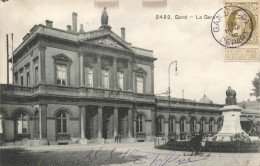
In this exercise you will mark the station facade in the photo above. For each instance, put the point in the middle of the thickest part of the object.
(75, 86)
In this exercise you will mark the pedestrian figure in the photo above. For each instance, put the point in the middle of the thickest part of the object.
(118, 138)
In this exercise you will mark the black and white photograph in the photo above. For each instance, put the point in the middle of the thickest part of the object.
(129, 82)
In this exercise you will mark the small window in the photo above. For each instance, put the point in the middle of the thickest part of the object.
(90, 77)
(28, 78)
(182, 125)
(62, 122)
(193, 125)
(105, 79)
(22, 121)
(36, 75)
(21, 78)
(202, 125)
(120, 80)
(140, 120)
(140, 84)
(171, 125)
(211, 123)
(160, 124)
(61, 74)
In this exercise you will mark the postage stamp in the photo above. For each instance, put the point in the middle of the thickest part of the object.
(249, 51)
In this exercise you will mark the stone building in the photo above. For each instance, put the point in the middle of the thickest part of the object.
(72, 86)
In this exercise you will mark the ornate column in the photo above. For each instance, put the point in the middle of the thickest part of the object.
(115, 121)
(43, 121)
(82, 121)
(42, 49)
(100, 122)
(82, 75)
(130, 123)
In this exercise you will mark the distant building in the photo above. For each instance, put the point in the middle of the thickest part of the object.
(80, 87)
(250, 114)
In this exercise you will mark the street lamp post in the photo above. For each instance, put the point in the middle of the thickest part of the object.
(169, 92)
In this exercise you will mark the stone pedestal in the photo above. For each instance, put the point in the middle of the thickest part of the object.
(231, 123)
(83, 141)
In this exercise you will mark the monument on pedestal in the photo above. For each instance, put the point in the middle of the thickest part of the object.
(231, 113)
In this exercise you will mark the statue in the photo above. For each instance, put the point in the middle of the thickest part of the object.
(104, 17)
(231, 97)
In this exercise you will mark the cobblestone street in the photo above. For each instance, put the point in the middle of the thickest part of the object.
(119, 154)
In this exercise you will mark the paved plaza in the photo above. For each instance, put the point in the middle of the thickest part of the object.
(141, 153)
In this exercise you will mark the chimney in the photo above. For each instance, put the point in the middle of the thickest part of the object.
(123, 33)
(74, 22)
(81, 28)
(48, 23)
(68, 28)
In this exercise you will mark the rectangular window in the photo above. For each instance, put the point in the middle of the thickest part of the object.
(90, 77)
(21, 77)
(16, 78)
(61, 74)
(106, 78)
(28, 78)
(36, 75)
(120, 80)
(59, 126)
(140, 84)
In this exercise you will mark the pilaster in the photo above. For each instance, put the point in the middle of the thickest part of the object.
(130, 122)
(43, 121)
(42, 49)
(82, 74)
(115, 121)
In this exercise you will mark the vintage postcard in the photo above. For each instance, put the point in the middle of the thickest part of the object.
(129, 82)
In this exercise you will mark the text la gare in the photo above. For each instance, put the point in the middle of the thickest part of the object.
(197, 17)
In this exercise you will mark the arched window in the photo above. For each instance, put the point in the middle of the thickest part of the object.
(202, 124)
(22, 123)
(182, 125)
(1, 124)
(192, 125)
(160, 124)
(211, 123)
(171, 125)
(220, 123)
(140, 121)
(62, 122)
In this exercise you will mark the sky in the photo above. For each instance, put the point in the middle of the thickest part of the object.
(201, 66)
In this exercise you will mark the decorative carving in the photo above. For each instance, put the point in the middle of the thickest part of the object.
(108, 42)
(231, 96)
(89, 61)
(106, 63)
(121, 65)
(61, 57)
(140, 71)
